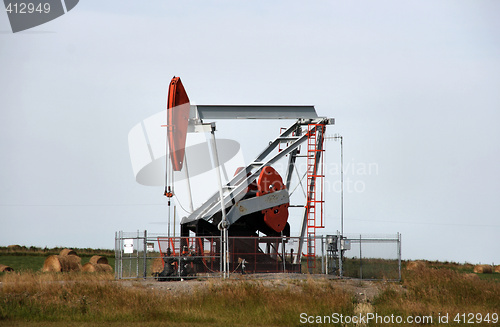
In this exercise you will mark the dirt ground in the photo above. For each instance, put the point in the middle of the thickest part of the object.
(364, 291)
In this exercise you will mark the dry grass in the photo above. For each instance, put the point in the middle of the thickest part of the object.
(471, 276)
(77, 299)
(430, 291)
(416, 265)
(72, 297)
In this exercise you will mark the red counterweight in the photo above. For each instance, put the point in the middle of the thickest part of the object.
(270, 181)
(177, 121)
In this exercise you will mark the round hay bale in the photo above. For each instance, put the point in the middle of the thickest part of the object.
(5, 268)
(70, 263)
(67, 252)
(52, 264)
(88, 267)
(103, 267)
(483, 269)
(497, 269)
(99, 267)
(157, 266)
(98, 259)
(415, 265)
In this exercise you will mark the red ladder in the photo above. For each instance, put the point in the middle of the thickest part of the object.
(315, 188)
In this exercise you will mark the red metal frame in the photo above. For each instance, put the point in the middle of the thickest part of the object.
(315, 185)
(261, 254)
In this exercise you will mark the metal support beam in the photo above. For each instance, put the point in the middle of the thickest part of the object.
(255, 112)
(291, 161)
(223, 225)
(258, 203)
(236, 187)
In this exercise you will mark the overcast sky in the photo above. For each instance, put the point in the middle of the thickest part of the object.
(413, 86)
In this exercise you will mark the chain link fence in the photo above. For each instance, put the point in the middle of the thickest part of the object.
(372, 257)
(143, 255)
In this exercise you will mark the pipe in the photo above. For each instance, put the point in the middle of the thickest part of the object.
(224, 223)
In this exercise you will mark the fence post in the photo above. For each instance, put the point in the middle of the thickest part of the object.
(360, 259)
(339, 247)
(399, 255)
(116, 254)
(120, 245)
(179, 262)
(326, 258)
(283, 253)
(322, 255)
(145, 249)
(120, 255)
(137, 255)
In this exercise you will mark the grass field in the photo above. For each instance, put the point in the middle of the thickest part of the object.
(31, 298)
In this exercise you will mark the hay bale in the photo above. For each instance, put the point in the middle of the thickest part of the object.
(67, 252)
(70, 262)
(14, 247)
(497, 269)
(4, 268)
(88, 267)
(483, 269)
(64, 263)
(103, 267)
(157, 266)
(415, 265)
(52, 264)
(99, 267)
(97, 259)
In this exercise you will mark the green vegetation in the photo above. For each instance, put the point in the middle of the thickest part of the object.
(22, 263)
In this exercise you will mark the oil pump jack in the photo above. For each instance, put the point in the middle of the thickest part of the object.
(253, 206)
